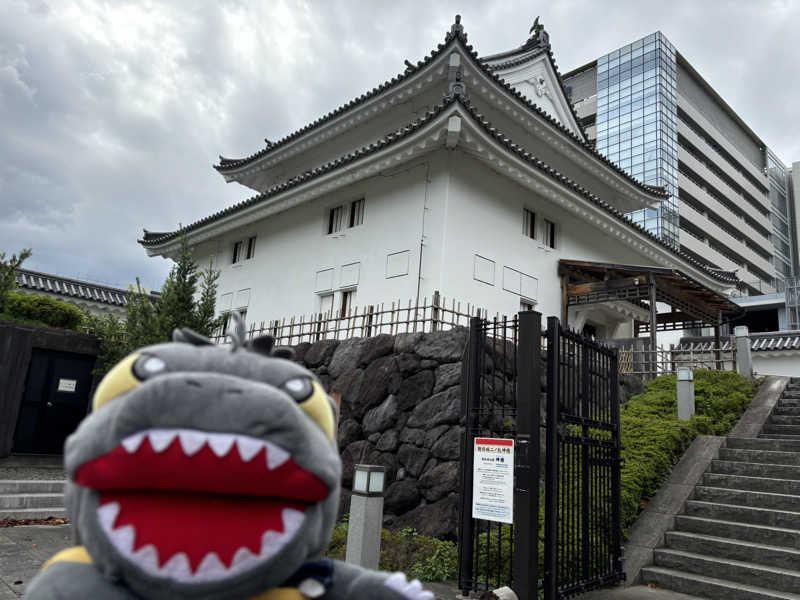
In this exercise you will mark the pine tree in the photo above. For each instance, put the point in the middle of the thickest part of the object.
(8, 273)
(176, 306)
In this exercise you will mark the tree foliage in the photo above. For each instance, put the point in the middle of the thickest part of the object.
(187, 299)
(8, 274)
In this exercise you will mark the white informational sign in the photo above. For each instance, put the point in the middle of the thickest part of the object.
(493, 480)
(67, 385)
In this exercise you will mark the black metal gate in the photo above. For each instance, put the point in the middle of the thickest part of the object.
(503, 382)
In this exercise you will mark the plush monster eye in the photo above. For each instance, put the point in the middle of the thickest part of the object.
(299, 388)
(147, 366)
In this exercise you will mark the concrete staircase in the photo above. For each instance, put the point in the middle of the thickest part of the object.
(739, 537)
(31, 498)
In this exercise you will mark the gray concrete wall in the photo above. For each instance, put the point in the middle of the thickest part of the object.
(690, 89)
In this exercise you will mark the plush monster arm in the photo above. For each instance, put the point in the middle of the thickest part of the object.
(74, 581)
(352, 582)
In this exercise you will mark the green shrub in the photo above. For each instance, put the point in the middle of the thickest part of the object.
(43, 309)
(420, 556)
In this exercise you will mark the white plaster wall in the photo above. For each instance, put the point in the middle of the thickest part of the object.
(293, 246)
(788, 366)
(484, 217)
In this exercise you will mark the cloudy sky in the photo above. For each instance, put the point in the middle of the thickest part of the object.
(112, 112)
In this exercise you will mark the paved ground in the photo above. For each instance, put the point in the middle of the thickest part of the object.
(22, 552)
(24, 549)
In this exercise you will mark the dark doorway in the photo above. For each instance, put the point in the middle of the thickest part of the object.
(56, 398)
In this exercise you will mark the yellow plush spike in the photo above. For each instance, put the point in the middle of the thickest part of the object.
(117, 381)
(75, 554)
(319, 408)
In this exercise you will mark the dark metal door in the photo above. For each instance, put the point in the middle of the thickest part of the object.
(56, 398)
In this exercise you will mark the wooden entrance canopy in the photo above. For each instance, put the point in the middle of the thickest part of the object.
(692, 304)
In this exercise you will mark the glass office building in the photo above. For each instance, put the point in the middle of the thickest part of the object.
(780, 216)
(637, 123)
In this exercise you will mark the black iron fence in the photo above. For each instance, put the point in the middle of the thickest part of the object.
(503, 382)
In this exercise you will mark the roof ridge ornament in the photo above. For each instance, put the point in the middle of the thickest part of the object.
(457, 28)
(539, 37)
(455, 78)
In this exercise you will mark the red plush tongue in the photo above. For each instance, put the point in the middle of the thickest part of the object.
(197, 524)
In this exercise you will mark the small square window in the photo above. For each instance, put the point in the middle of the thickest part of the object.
(549, 233)
(251, 247)
(237, 252)
(357, 212)
(335, 219)
(529, 223)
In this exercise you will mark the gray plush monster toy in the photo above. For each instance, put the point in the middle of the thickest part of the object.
(207, 472)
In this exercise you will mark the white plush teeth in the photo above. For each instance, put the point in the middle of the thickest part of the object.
(123, 539)
(210, 567)
(160, 439)
(147, 558)
(244, 559)
(132, 442)
(177, 567)
(191, 441)
(271, 544)
(276, 456)
(292, 520)
(220, 443)
(248, 447)
(107, 514)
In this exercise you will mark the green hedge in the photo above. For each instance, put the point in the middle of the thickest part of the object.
(420, 556)
(44, 310)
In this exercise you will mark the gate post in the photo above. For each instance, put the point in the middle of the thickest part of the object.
(551, 472)
(616, 475)
(470, 395)
(527, 456)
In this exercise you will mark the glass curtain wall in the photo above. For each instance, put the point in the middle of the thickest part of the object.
(778, 195)
(637, 123)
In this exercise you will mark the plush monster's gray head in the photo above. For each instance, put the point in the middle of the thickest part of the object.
(205, 471)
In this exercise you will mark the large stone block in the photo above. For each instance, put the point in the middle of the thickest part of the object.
(349, 432)
(433, 435)
(441, 408)
(346, 356)
(355, 453)
(447, 375)
(375, 347)
(408, 363)
(439, 481)
(402, 496)
(320, 353)
(448, 446)
(413, 459)
(381, 417)
(409, 435)
(389, 441)
(443, 346)
(439, 519)
(406, 342)
(414, 389)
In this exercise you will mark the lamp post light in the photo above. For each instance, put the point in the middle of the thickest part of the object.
(366, 516)
(685, 393)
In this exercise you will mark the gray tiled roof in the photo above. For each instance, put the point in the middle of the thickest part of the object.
(72, 288)
(772, 341)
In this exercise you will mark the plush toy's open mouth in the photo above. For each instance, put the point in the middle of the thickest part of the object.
(198, 506)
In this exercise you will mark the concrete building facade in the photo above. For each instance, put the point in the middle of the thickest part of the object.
(649, 111)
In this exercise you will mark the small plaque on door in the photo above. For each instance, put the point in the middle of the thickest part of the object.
(67, 385)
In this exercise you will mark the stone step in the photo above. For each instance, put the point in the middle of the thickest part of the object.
(743, 514)
(772, 578)
(748, 532)
(789, 401)
(762, 444)
(720, 547)
(709, 587)
(32, 513)
(748, 498)
(12, 501)
(755, 484)
(781, 429)
(778, 419)
(774, 457)
(733, 467)
(786, 410)
(779, 436)
(32, 486)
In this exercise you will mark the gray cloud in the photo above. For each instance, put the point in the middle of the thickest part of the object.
(113, 112)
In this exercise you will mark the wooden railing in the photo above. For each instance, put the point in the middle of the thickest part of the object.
(663, 361)
(396, 317)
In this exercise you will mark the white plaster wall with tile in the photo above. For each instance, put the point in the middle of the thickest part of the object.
(296, 264)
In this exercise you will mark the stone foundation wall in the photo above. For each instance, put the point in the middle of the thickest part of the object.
(401, 408)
